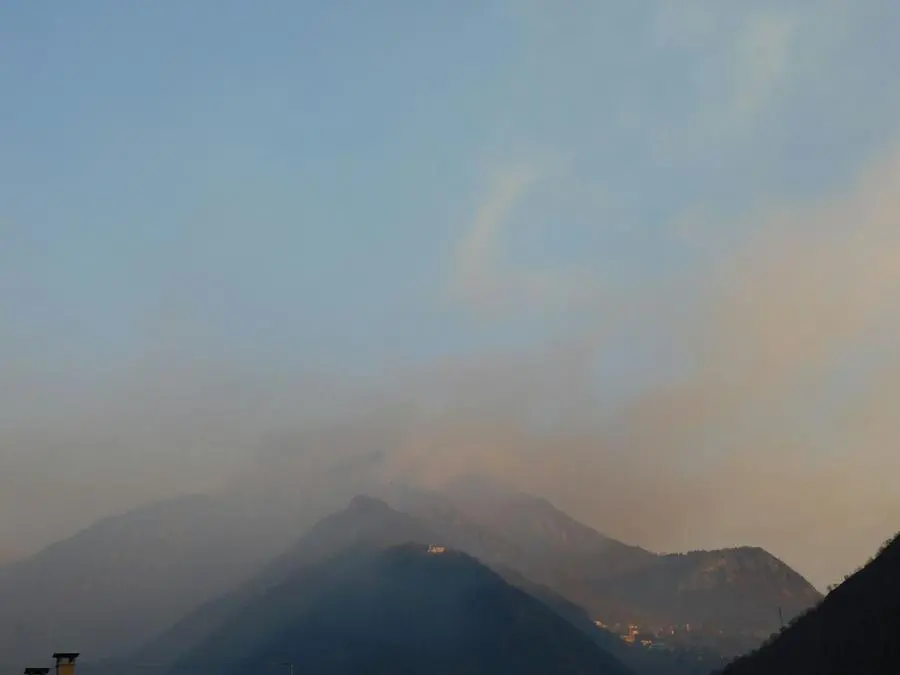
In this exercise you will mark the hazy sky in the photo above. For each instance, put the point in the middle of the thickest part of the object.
(654, 247)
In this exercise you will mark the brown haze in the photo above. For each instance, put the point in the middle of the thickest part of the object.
(780, 428)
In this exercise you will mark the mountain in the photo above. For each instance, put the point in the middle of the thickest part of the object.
(731, 590)
(533, 575)
(397, 610)
(122, 580)
(365, 523)
(544, 533)
(730, 597)
(125, 578)
(855, 630)
(451, 525)
(117, 584)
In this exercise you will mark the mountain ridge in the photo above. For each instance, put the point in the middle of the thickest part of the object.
(400, 609)
(737, 590)
(163, 557)
(172, 557)
(366, 521)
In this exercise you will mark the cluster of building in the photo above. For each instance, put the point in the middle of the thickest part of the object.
(632, 634)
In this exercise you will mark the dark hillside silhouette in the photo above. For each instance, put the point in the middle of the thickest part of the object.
(398, 610)
(366, 522)
(854, 631)
(370, 523)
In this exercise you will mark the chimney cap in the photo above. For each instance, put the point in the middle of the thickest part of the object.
(71, 656)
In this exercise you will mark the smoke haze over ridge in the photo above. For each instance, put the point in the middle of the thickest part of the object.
(742, 447)
(634, 318)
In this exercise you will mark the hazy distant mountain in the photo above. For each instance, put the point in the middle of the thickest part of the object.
(855, 630)
(544, 533)
(399, 610)
(114, 584)
(736, 591)
(732, 590)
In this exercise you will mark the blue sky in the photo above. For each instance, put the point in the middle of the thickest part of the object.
(353, 188)
(286, 179)
(293, 178)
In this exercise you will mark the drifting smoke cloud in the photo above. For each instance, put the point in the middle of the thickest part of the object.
(779, 427)
(783, 431)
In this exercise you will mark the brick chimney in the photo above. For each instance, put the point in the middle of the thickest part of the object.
(65, 663)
